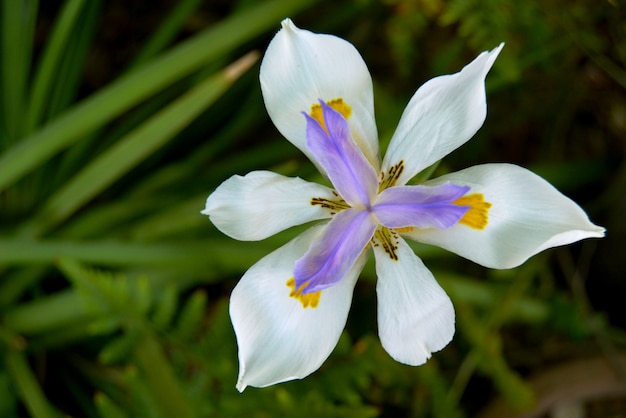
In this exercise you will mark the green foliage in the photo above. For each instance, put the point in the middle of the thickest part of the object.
(114, 289)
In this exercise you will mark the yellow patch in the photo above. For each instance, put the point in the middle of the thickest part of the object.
(307, 299)
(338, 104)
(404, 230)
(477, 216)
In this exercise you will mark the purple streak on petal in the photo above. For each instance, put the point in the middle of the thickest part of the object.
(420, 206)
(350, 172)
(332, 255)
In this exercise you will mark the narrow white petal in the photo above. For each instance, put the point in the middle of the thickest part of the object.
(278, 338)
(300, 68)
(443, 114)
(415, 316)
(263, 203)
(528, 215)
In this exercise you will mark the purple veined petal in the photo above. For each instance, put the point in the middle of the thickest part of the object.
(335, 150)
(272, 328)
(333, 254)
(527, 216)
(299, 67)
(420, 206)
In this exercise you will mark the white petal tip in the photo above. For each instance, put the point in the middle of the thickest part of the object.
(241, 386)
(597, 232)
(414, 356)
(287, 23)
(491, 56)
(424, 357)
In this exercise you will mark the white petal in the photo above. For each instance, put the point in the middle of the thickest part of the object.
(300, 68)
(415, 316)
(278, 338)
(443, 114)
(263, 203)
(527, 216)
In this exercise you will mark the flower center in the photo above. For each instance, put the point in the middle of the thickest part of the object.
(368, 209)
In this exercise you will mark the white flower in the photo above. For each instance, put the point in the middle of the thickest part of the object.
(290, 308)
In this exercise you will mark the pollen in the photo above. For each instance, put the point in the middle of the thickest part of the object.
(477, 216)
(308, 300)
(338, 104)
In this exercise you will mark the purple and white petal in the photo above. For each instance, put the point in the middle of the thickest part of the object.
(420, 206)
(335, 252)
(335, 150)
(527, 216)
(301, 67)
(278, 338)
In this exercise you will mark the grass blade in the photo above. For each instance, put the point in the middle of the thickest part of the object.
(137, 85)
(30, 390)
(166, 31)
(17, 28)
(138, 144)
(47, 69)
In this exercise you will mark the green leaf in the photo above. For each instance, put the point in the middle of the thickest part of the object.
(28, 387)
(8, 400)
(47, 70)
(164, 388)
(17, 27)
(191, 316)
(137, 145)
(107, 408)
(141, 83)
(165, 307)
(118, 350)
(166, 31)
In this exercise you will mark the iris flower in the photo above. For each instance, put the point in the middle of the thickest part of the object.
(290, 308)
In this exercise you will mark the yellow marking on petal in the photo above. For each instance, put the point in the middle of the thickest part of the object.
(391, 178)
(338, 104)
(388, 240)
(404, 230)
(308, 300)
(477, 216)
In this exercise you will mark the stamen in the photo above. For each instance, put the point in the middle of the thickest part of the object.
(307, 299)
(338, 104)
(477, 216)
(334, 205)
(387, 239)
(389, 180)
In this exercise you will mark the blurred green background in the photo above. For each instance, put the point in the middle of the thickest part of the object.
(118, 118)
